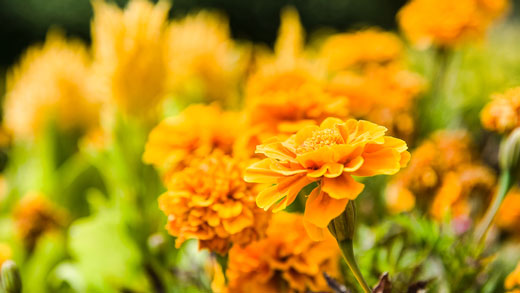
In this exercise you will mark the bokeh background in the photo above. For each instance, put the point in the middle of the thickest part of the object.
(25, 22)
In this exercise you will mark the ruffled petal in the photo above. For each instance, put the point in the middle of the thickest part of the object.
(384, 161)
(343, 187)
(330, 170)
(260, 172)
(320, 208)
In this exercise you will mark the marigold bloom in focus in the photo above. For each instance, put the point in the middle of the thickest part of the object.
(194, 133)
(287, 90)
(382, 94)
(369, 46)
(201, 54)
(446, 167)
(35, 215)
(329, 154)
(502, 113)
(209, 201)
(128, 52)
(50, 84)
(513, 281)
(286, 259)
(447, 23)
(508, 215)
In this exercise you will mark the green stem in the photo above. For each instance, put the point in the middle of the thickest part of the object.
(347, 250)
(505, 184)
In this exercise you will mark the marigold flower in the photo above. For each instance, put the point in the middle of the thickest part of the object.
(512, 283)
(35, 215)
(446, 23)
(200, 51)
(368, 46)
(194, 133)
(382, 94)
(288, 90)
(508, 215)
(286, 259)
(209, 201)
(502, 113)
(329, 154)
(446, 167)
(50, 82)
(128, 52)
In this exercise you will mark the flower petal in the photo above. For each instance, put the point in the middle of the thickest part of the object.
(342, 187)
(269, 196)
(384, 161)
(315, 233)
(292, 193)
(330, 122)
(330, 170)
(276, 151)
(320, 208)
(317, 158)
(260, 172)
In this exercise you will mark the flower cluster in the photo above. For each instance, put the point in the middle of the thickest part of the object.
(286, 258)
(209, 201)
(444, 175)
(446, 23)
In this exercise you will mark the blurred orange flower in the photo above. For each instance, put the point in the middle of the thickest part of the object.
(5, 253)
(194, 133)
(209, 201)
(513, 281)
(286, 258)
(383, 94)
(51, 84)
(128, 52)
(201, 55)
(446, 167)
(329, 154)
(508, 215)
(447, 23)
(368, 46)
(35, 215)
(502, 113)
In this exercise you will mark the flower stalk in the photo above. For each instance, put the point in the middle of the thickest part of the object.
(343, 229)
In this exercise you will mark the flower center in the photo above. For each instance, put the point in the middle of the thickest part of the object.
(320, 138)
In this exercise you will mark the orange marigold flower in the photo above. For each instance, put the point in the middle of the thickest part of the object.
(194, 133)
(508, 215)
(287, 90)
(35, 215)
(446, 167)
(128, 53)
(52, 81)
(342, 51)
(209, 201)
(502, 113)
(286, 259)
(329, 154)
(201, 55)
(447, 23)
(512, 283)
(382, 94)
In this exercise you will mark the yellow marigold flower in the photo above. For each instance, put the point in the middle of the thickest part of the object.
(508, 215)
(35, 215)
(194, 133)
(329, 154)
(50, 82)
(382, 94)
(446, 23)
(342, 51)
(287, 259)
(291, 36)
(128, 52)
(502, 113)
(443, 175)
(200, 51)
(5, 252)
(512, 283)
(209, 201)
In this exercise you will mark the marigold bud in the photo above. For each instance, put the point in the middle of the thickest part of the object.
(343, 226)
(10, 276)
(509, 154)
